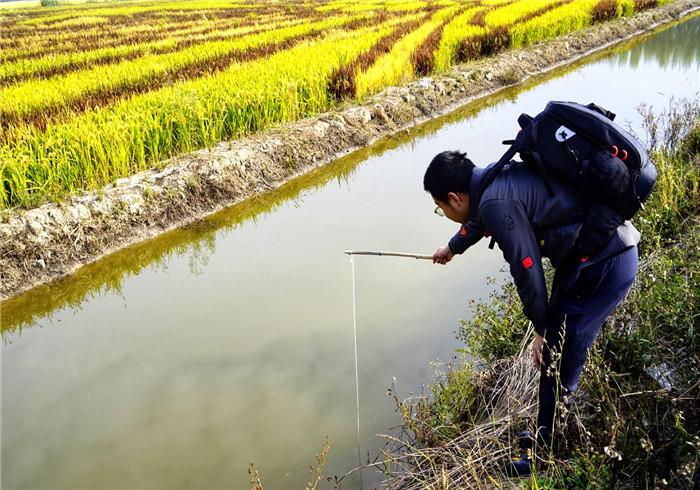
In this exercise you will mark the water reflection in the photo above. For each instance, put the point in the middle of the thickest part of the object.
(677, 48)
(197, 242)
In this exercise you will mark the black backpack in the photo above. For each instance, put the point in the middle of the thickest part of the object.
(583, 148)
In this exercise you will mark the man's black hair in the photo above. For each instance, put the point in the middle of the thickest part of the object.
(450, 171)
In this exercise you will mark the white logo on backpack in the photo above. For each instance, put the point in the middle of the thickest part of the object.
(563, 133)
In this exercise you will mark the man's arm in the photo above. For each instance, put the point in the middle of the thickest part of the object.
(507, 222)
(467, 236)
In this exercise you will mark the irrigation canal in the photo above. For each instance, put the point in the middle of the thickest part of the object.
(177, 362)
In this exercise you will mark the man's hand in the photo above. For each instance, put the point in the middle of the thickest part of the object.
(537, 351)
(442, 255)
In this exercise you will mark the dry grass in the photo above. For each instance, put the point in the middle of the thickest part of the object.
(505, 398)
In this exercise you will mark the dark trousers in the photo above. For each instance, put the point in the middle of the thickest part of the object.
(580, 309)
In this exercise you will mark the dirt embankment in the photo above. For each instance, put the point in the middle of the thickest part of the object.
(45, 243)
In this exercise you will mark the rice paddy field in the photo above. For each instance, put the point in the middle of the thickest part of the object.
(93, 92)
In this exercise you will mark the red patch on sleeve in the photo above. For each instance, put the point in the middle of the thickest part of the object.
(463, 231)
(583, 260)
(527, 262)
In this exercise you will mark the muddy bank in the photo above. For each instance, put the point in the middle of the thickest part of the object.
(41, 244)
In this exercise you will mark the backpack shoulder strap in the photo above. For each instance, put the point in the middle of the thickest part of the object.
(539, 166)
(491, 174)
(534, 158)
(523, 141)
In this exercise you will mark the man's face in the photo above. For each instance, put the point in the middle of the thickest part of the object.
(456, 208)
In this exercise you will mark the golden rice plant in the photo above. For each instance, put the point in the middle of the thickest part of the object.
(492, 3)
(395, 67)
(50, 41)
(95, 148)
(70, 11)
(508, 15)
(561, 20)
(403, 5)
(83, 20)
(25, 99)
(186, 108)
(455, 32)
(52, 62)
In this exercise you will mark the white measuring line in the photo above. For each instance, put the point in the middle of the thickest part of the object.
(351, 253)
(357, 376)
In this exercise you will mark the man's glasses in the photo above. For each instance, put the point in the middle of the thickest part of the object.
(439, 211)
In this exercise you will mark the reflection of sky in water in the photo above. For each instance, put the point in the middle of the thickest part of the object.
(237, 347)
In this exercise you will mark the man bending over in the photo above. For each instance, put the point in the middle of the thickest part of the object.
(585, 290)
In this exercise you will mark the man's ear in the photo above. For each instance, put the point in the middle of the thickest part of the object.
(454, 199)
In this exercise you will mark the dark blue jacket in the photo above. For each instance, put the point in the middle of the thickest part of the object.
(511, 206)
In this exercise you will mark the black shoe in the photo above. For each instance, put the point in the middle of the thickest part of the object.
(525, 440)
(518, 468)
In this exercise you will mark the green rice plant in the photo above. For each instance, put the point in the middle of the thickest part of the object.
(395, 67)
(561, 20)
(627, 7)
(13, 173)
(50, 3)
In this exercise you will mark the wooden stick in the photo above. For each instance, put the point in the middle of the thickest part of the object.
(389, 254)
